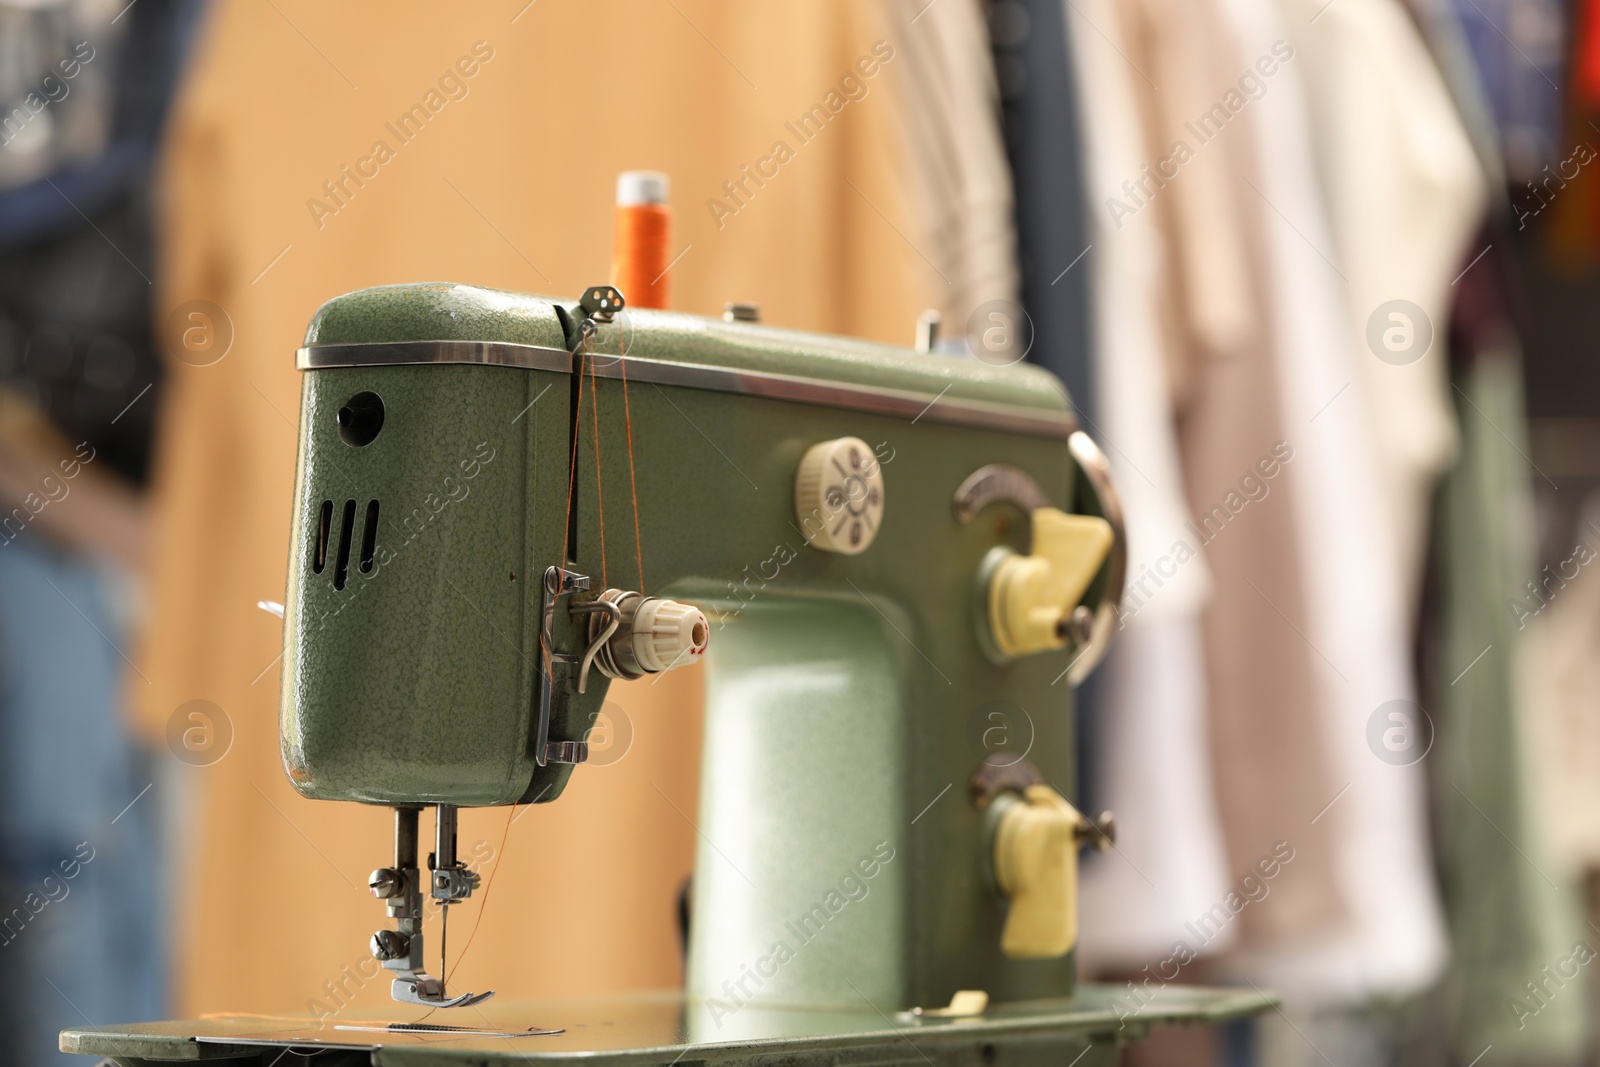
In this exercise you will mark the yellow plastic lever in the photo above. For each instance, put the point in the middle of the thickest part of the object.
(1036, 865)
(1031, 596)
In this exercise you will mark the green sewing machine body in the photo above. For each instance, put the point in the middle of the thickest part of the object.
(845, 693)
(462, 447)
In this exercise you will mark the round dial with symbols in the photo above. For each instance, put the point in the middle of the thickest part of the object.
(838, 495)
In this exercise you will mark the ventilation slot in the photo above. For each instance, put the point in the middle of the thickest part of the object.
(369, 537)
(341, 569)
(319, 558)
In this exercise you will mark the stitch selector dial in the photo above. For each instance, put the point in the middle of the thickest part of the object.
(838, 495)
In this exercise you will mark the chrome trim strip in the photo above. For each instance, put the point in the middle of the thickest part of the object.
(874, 399)
(484, 353)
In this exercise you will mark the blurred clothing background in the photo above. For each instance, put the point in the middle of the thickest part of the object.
(1319, 275)
(85, 87)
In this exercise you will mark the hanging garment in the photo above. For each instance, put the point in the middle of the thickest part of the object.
(1169, 864)
(1519, 49)
(1558, 612)
(1405, 196)
(1264, 738)
(488, 192)
(1356, 609)
(1585, 86)
(960, 183)
(1044, 144)
(1515, 920)
(1447, 42)
(1562, 200)
(1168, 869)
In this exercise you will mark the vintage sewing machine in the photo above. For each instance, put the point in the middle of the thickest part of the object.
(894, 564)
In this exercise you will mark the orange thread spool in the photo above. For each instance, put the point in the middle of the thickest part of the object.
(641, 246)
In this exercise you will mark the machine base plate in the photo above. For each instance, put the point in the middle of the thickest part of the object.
(662, 1030)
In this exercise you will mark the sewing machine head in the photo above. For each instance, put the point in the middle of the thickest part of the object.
(873, 549)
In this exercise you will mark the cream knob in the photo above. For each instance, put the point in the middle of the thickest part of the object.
(838, 495)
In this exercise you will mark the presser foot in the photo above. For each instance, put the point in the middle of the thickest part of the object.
(401, 887)
(428, 991)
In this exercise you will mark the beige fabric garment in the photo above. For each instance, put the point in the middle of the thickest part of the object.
(959, 181)
(510, 186)
(1169, 865)
(1270, 774)
(1405, 196)
(1194, 200)
(1355, 606)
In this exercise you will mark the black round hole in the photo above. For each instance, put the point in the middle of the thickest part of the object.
(360, 419)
